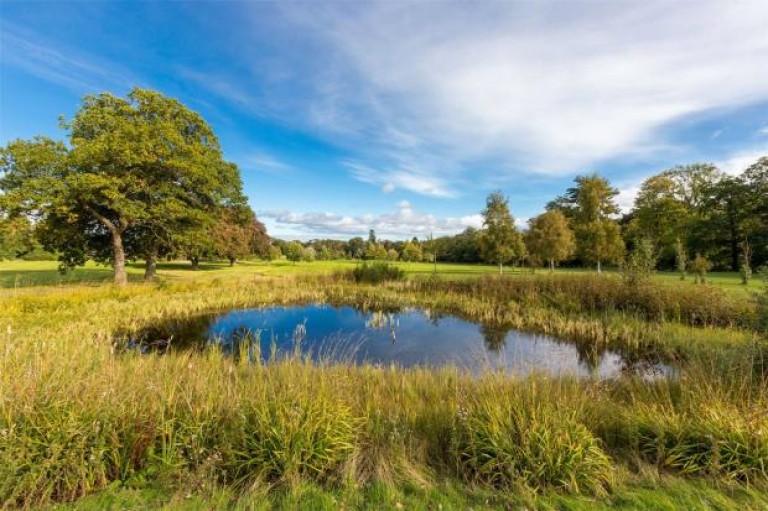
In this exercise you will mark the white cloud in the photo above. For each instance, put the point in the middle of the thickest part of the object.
(763, 131)
(545, 88)
(627, 195)
(261, 161)
(402, 223)
(738, 162)
(76, 70)
(389, 180)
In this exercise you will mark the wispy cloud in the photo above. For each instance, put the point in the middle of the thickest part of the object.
(79, 71)
(403, 222)
(412, 180)
(533, 88)
(261, 161)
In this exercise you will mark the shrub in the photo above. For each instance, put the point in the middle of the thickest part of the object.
(377, 272)
(640, 263)
(700, 266)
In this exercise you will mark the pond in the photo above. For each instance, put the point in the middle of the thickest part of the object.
(407, 338)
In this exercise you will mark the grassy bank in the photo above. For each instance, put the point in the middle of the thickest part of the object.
(76, 418)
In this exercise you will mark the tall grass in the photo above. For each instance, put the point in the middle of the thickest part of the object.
(76, 417)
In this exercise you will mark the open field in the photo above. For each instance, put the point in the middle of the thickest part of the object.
(199, 430)
(36, 273)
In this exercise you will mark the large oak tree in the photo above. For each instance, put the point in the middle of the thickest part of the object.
(144, 167)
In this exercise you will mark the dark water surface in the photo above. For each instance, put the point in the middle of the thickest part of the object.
(407, 338)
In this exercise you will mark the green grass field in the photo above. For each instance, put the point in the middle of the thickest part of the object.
(45, 273)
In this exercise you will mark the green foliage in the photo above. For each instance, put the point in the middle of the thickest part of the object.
(700, 266)
(375, 252)
(308, 254)
(661, 213)
(17, 237)
(411, 252)
(550, 238)
(500, 242)
(377, 272)
(294, 251)
(591, 206)
(640, 264)
(143, 174)
(274, 253)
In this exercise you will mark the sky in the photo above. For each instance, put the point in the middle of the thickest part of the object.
(402, 116)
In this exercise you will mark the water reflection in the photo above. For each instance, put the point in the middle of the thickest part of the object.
(406, 337)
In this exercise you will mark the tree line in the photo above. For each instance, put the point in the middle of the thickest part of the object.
(143, 178)
(690, 218)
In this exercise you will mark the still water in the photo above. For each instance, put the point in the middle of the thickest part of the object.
(407, 338)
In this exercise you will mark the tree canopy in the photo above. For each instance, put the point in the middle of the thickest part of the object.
(500, 241)
(140, 174)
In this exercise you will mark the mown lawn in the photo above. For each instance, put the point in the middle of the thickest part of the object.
(45, 273)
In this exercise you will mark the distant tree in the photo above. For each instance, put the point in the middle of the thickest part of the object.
(430, 248)
(392, 255)
(294, 251)
(274, 253)
(372, 237)
(238, 234)
(681, 258)
(746, 262)
(145, 162)
(308, 254)
(591, 205)
(375, 251)
(500, 241)
(640, 263)
(411, 251)
(325, 254)
(661, 213)
(356, 248)
(550, 238)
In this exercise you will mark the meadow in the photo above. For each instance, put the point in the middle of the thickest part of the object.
(87, 425)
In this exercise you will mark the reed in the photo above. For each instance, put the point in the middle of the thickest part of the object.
(77, 416)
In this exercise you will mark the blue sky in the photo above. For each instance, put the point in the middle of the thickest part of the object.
(402, 116)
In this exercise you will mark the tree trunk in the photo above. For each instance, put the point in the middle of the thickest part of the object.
(734, 242)
(551, 265)
(150, 266)
(599, 268)
(232, 261)
(121, 277)
(195, 262)
(501, 269)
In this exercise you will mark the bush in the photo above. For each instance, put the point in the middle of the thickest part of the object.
(377, 272)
